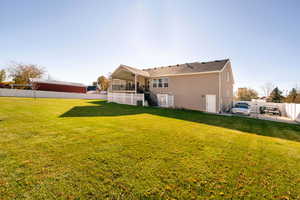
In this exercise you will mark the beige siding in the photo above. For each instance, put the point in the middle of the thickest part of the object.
(226, 87)
(189, 90)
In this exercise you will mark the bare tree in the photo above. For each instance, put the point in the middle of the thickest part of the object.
(267, 88)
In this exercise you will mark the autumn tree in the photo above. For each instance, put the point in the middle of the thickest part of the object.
(2, 75)
(276, 96)
(246, 94)
(22, 73)
(103, 82)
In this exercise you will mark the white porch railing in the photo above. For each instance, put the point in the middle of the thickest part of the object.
(125, 98)
(165, 100)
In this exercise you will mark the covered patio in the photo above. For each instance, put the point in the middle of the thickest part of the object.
(126, 79)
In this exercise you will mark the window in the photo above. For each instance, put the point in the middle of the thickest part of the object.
(160, 83)
(155, 83)
(166, 82)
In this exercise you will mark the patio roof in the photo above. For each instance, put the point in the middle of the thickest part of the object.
(127, 73)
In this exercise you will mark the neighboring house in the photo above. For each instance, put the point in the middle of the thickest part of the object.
(204, 86)
(261, 99)
(57, 86)
(7, 84)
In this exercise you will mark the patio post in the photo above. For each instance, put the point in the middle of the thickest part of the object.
(111, 85)
(135, 83)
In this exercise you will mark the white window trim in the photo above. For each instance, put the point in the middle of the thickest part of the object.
(156, 81)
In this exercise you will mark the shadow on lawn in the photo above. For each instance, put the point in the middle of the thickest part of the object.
(259, 127)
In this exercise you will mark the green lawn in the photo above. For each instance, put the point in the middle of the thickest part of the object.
(84, 149)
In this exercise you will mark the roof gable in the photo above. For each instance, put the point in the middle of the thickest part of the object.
(132, 70)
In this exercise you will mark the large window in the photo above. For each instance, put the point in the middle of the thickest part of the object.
(160, 83)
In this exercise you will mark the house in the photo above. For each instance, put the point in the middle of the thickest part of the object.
(57, 86)
(7, 84)
(261, 99)
(203, 86)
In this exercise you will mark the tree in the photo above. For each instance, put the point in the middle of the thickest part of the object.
(293, 97)
(103, 83)
(276, 96)
(297, 100)
(267, 88)
(95, 83)
(246, 94)
(2, 75)
(22, 73)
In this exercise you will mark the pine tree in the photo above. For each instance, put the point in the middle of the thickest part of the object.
(276, 96)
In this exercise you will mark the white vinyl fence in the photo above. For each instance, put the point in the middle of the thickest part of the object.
(292, 111)
(165, 100)
(126, 98)
(48, 94)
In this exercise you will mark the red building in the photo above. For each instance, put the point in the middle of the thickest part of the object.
(57, 86)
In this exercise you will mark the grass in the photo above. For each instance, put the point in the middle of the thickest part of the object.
(83, 149)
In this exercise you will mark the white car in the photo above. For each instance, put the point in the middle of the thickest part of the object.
(241, 108)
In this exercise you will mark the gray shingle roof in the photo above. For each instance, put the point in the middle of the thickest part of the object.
(195, 67)
(187, 68)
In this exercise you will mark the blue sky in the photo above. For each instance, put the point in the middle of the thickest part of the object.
(77, 40)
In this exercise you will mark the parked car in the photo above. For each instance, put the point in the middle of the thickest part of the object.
(91, 89)
(241, 108)
(274, 110)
